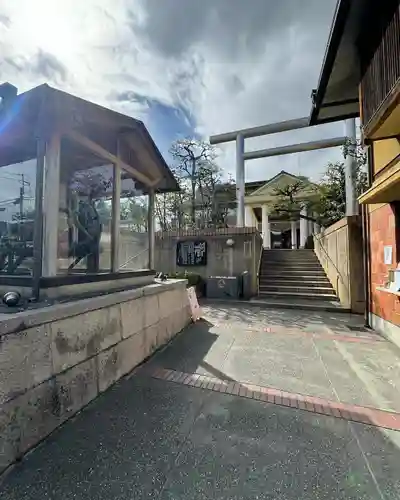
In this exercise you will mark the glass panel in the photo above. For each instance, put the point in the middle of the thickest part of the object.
(17, 216)
(133, 238)
(84, 244)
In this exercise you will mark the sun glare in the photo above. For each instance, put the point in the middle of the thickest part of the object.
(48, 25)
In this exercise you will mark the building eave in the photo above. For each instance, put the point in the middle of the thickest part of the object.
(336, 96)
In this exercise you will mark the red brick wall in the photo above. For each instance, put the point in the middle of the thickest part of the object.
(382, 233)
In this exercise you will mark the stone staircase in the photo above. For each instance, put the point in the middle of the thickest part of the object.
(294, 275)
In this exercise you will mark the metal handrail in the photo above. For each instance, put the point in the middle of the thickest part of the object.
(326, 253)
(259, 270)
(133, 257)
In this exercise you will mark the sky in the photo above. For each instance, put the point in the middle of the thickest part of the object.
(184, 67)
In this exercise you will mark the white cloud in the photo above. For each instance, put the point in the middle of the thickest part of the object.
(230, 63)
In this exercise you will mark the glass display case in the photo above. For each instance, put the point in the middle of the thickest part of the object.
(77, 188)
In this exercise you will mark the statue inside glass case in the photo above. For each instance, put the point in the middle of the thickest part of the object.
(84, 220)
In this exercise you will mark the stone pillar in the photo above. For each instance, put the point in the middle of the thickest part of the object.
(240, 181)
(266, 229)
(303, 228)
(249, 217)
(293, 227)
(350, 168)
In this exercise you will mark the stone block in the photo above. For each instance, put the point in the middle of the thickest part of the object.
(108, 363)
(76, 338)
(174, 324)
(171, 301)
(77, 387)
(10, 433)
(26, 420)
(179, 299)
(165, 303)
(163, 332)
(39, 414)
(181, 319)
(25, 361)
(152, 339)
(132, 313)
(131, 352)
(151, 310)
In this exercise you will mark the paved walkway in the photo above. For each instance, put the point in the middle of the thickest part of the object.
(246, 404)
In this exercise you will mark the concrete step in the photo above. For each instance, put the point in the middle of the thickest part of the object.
(295, 276)
(300, 304)
(289, 256)
(291, 261)
(277, 271)
(304, 288)
(295, 283)
(304, 278)
(299, 295)
(282, 251)
(290, 268)
(279, 303)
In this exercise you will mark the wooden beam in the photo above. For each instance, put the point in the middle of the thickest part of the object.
(103, 153)
(51, 201)
(116, 215)
(151, 228)
(130, 139)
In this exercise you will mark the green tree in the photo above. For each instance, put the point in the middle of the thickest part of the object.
(288, 203)
(331, 205)
(329, 202)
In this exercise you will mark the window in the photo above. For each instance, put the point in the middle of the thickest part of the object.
(17, 218)
(85, 213)
(133, 231)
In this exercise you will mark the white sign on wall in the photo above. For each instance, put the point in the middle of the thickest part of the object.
(388, 255)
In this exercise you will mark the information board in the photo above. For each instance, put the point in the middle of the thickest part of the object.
(191, 253)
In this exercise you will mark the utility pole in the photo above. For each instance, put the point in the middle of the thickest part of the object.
(21, 197)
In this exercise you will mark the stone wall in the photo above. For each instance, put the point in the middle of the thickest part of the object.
(246, 252)
(339, 249)
(55, 360)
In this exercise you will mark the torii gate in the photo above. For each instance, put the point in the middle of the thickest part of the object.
(241, 156)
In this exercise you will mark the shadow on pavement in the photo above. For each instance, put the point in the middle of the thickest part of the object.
(146, 438)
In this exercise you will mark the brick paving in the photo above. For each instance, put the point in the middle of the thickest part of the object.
(354, 413)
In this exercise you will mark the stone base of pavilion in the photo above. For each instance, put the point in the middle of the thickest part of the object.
(55, 360)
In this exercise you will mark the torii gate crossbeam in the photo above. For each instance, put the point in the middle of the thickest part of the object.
(241, 156)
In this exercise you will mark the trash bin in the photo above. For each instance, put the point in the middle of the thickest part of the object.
(246, 285)
(223, 287)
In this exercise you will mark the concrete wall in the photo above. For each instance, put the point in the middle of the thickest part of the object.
(340, 251)
(246, 252)
(54, 361)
